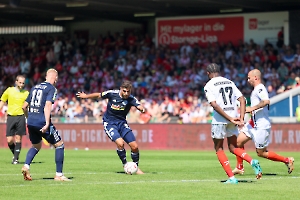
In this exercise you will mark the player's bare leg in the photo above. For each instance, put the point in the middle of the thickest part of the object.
(270, 155)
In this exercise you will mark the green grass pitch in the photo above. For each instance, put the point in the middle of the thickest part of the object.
(169, 175)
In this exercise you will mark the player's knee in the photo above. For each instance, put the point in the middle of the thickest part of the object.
(37, 146)
(62, 146)
(231, 149)
(134, 147)
(259, 153)
(239, 144)
(59, 144)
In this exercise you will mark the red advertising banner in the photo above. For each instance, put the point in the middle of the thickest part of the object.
(174, 31)
(284, 137)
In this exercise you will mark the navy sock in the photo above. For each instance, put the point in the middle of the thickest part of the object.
(135, 157)
(59, 158)
(17, 150)
(122, 155)
(12, 147)
(30, 155)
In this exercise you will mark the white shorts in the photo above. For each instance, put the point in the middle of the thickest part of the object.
(220, 131)
(260, 137)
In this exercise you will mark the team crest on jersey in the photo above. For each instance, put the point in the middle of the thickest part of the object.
(114, 100)
(124, 103)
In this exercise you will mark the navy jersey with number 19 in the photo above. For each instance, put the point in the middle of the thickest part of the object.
(37, 98)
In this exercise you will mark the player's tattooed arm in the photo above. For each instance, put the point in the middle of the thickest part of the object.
(260, 105)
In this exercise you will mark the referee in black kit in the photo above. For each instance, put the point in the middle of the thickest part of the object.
(16, 124)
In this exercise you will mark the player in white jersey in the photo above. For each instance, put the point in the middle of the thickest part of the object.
(222, 95)
(259, 132)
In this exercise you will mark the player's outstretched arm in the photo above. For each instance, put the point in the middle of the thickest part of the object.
(141, 108)
(25, 109)
(88, 96)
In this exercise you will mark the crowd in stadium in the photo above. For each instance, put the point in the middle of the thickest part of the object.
(168, 81)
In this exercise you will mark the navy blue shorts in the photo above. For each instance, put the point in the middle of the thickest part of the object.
(119, 129)
(35, 135)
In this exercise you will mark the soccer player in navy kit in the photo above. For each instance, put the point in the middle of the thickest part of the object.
(39, 124)
(114, 119)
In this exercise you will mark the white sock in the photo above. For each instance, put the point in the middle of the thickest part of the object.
(59, 174)
(27, 166)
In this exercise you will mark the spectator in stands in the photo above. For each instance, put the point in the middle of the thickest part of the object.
(289, 57)
(280, 40)
(160, 71)
(271, 91)
(283, 72)
(25, 65)
(291, 81)
(133, 115)
(144, 118)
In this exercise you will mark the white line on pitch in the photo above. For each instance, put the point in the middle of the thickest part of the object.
(139, 182)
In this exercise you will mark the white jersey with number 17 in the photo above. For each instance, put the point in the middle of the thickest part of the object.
(225, 93)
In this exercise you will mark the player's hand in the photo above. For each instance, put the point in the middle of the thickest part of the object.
(81, 95)
(236, 121)
(45, 128)
(242, 124)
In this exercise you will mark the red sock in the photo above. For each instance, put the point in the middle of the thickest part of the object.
(224, 162)
(239, 161)
(242, 153)
(275, 157)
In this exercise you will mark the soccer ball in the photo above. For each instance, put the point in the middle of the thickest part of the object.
(130, 168)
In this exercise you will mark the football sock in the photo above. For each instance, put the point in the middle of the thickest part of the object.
(30, 155)
(122, 155)
(59, 157)
(242, 154)
(239, 162)
(12, 147)
(275, 157)
(135, 157)
(17, 150)
(224, 162)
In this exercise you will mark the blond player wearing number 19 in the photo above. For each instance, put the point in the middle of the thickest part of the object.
(260, 133)
(222, 95)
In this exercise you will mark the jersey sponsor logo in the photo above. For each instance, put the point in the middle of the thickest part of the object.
(117, 107)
